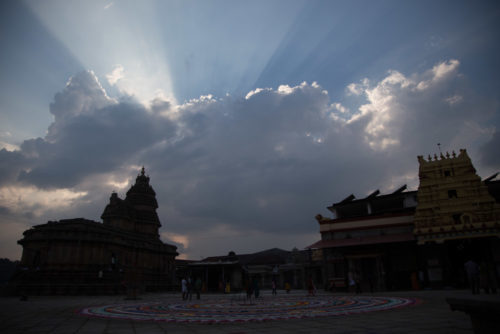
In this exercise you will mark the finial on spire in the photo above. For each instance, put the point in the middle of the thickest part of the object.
(143, 171)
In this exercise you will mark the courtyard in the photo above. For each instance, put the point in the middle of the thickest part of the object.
(389, 312)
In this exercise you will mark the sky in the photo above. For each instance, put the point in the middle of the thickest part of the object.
(250, 117)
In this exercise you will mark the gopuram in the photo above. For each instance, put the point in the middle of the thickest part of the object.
(453, 202)
(80, 256)
(457, 218)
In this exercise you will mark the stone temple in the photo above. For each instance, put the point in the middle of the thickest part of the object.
(80, 256)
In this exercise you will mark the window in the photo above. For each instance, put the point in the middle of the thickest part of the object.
(452, 193)
(447, 173)
(456, 218)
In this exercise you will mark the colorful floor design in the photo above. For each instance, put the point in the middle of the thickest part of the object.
(227, 310)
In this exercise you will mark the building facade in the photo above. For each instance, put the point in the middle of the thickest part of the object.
(80, 256)
(369, 241)
(420, 238)
(240, 270)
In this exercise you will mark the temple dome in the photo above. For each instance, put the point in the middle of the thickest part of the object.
(142, 193)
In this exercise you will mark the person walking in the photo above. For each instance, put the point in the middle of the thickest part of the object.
(288, 287)
(249, 288)
(351, 281)
(310, 287)
(197, 287)
(256, 290)
(357, 281)
(184, 288)
(189, 288)
(472, 270)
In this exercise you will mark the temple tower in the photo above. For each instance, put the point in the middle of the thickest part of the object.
(453, 202)
(138, 211)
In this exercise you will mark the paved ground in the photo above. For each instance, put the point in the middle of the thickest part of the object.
(51, 314)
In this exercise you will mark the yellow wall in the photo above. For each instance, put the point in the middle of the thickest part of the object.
(453, 202)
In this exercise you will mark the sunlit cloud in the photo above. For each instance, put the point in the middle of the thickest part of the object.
(8, 146)
(410, 179)
(340, 107)
(255, 91)
(12, 229)
(357, 88)
(115, 75)
(22, 199)
(109, 5)
(439, 72)
(118, 185)
(443, 69)
(182, 241)
(391, 102)
(455, 99)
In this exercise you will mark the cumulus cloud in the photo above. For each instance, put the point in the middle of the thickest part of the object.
(420, 109)
(258, 167)
(439, 72)
(159, 105)
(117, 74)
(340, 107)
(36, 201)
(91, 133)
(455, 99)
(82, 95)
(11, 164)
(357, 88)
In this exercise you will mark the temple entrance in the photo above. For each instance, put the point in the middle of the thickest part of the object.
(214, 277)
(461, 250)
(369, 274)
(366, 270)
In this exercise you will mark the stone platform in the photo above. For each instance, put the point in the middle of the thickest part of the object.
(395, 312)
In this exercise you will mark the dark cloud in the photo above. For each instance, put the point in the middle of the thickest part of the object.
(11, 164)
(490, 152)
(91, 134)
(269, 162)
(160, 105)
(4, 210)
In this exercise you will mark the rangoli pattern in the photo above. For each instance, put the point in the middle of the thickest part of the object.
(219, 310)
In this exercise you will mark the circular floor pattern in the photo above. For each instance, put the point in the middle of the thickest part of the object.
(226, 310)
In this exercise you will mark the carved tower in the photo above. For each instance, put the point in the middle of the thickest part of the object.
(137, 212)
(453, 202)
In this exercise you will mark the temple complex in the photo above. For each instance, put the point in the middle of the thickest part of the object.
(414, 239)
(80, 256)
